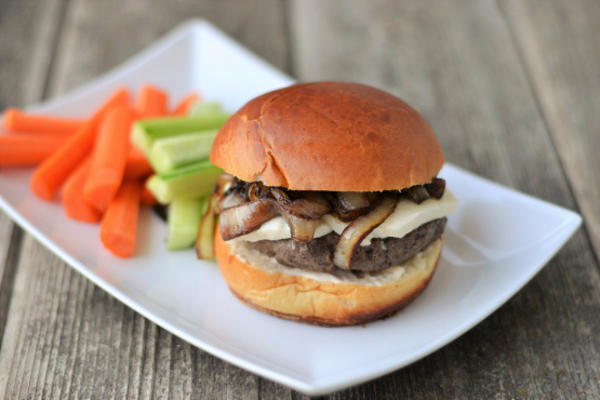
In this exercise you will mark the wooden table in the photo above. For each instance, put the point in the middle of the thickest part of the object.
(512, 89)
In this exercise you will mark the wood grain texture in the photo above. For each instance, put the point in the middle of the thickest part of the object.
(560, 46)
(100, 35)
(65, 338)
(459, 67)
(10, 248)
(28, 30)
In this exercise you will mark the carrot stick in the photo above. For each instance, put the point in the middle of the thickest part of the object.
(185, 103)
(17, 121)
(30, 149)
(51, 174)
(72, 195)
(137, 165)
(151, 102)
(109, 158)
(147, 198)
(119, 224)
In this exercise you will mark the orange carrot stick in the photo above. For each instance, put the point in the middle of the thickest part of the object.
(30, 149)
(72, 195)
(51, 174)
(151, 102)
(109, 158)
(17, 121)
(119, 224)
(137, 165)
(185, 103)
(146, 197)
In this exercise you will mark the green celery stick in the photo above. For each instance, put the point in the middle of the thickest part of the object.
(205, 108)
(188, 182)
(171, 152)
(144, 132)
(183, 221)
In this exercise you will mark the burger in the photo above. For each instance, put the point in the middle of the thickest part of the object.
(330, 209)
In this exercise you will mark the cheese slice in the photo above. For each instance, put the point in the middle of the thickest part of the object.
(407, 216)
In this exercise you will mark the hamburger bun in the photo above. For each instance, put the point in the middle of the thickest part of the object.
(331, 136)
(319, 298)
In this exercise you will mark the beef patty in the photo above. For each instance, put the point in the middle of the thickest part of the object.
(317, 255)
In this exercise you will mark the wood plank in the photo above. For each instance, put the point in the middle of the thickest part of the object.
(115, 30)
(28, 29)
(559, 45)
(65, 338)
(10, 248)
(459, 67)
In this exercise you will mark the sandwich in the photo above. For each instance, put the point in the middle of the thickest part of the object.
(331, 211)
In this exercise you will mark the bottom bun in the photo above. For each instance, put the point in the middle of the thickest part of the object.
(321, 298)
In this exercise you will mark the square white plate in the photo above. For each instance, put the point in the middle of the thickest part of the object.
(496, 241)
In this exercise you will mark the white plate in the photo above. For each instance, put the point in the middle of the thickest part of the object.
(496, 241)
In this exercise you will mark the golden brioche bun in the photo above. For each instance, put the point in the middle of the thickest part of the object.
(329, 136)
(304, 297)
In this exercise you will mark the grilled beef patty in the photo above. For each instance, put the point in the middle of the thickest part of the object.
(317, 255)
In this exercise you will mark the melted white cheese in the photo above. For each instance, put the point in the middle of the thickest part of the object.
(407, 216)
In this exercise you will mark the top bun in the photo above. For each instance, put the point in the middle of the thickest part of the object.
(333, 136)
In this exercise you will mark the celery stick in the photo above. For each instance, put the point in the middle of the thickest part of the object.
(171, 152)
(146, 131)
(188, 182)
(183, 221)
(205, 108)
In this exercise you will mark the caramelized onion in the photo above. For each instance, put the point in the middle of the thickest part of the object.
(315, 206)
(311, 206)
(417, 193)
(301, 229)
(227, 193)
(359, 229)
(224, 182)
(351, 205)
(255, 190)
(228, 200)
(436, 187)
(353, 200)
(215, 199)
(206, 234)
(280, 196)
(245, 218)
(302, 215)
(245, 206)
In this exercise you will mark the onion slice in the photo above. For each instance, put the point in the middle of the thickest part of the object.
(224, 182)
(310, 206)
(351, 205)
(280, 196)
(301, 229)
(229, 200)
(205, 240)
(359, 229)
(245, 218)
(256, 190)
(353, 200)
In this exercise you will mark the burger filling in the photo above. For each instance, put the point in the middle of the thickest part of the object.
(333, 231)
(317, 255)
